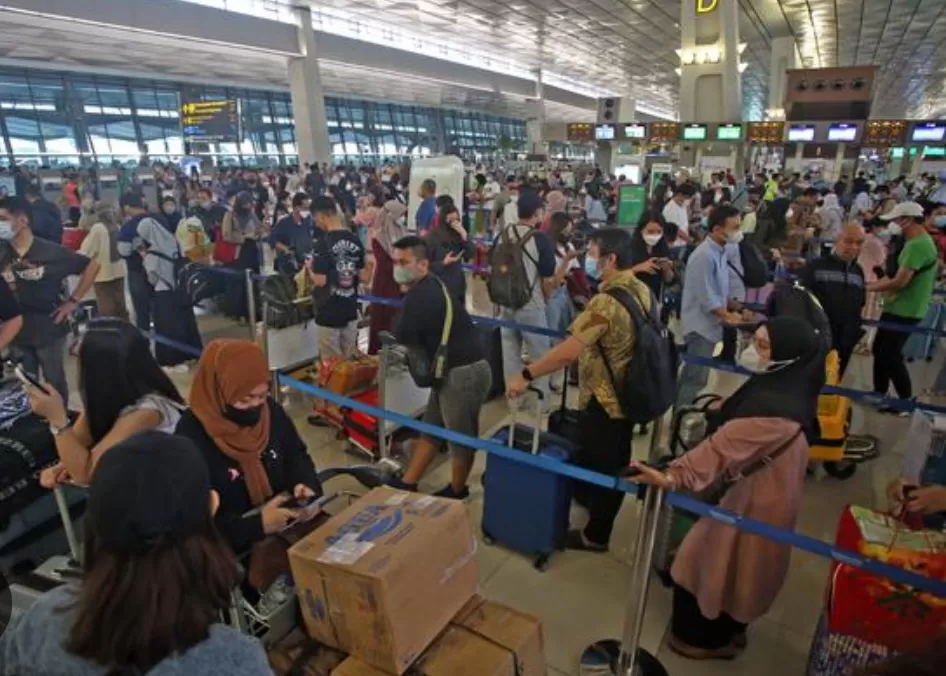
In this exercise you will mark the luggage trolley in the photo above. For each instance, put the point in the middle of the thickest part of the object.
(834, 416)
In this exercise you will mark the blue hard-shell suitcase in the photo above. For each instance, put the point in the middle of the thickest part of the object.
(526, 508)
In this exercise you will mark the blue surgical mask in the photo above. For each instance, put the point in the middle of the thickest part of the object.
(940, 221)
(6, 231)
(591, 267)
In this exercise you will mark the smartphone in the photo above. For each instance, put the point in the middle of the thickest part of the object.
(25, 376)
(308, 507)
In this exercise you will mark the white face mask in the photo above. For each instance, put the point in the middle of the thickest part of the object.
(894, 230)
(734, 237)
(651, 240)
(718, 196)
(752, 361)
(305, 214)
(789, 214)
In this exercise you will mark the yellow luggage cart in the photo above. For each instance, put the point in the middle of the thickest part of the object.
(834, 415)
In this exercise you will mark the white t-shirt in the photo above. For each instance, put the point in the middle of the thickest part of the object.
(677, 214)
(170, 411)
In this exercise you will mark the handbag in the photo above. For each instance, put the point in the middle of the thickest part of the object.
(713, 494)
(566, 422)
(225, 252)
(424, 371)
(269, 558)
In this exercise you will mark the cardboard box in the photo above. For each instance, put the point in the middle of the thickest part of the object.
(383, 578)
(484, 639)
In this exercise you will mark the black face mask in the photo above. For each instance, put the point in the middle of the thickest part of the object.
(248, 417)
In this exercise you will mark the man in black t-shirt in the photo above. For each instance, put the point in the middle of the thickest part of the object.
(37, 270)
(456, 402)
(336, 268)
(11, 319)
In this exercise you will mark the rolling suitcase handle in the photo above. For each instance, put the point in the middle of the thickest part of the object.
(538, 421)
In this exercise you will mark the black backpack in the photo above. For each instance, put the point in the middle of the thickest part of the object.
(791, 299)
(200, 282)
(278, 292)
(508, 284)
(25, 449)
(755, 270)
(650, 381)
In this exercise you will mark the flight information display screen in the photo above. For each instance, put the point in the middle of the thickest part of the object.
(928, 131)
(842, 133)
(694, 132)
(635, 132)
(604, 132)
(210, 121)
(801, 132)
(729, 132)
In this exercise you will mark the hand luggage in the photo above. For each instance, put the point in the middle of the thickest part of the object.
(526, 508)
(565, 421)
(72, 238)
(922, 346)
(836, 654)
(875, 609)
(491, 337)
(347, 377)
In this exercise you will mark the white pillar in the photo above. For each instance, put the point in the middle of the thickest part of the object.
(782, 60)
(710, 81)
(308, 101)
(535, 119)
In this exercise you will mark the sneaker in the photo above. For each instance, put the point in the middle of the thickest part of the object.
(177, 369)
(450, 493)
(276, 596)
(890, 410)
(318, 421)
(401, 485)
(859, 449)
(575, 539)
(691, 652)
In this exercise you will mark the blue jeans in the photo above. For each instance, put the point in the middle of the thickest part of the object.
(693, 378)
(513, 341)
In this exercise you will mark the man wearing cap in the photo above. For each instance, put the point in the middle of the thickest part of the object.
(909, 292)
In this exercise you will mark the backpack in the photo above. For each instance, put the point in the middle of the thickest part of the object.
(200, 282)
(755, 270)
(279, 294)
(650, 381)
(791, 299)
(892, 262)
(25, 448)
(508, 284)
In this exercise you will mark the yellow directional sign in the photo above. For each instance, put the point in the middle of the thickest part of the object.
(216, 120)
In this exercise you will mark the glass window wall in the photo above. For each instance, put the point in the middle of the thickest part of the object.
(58, 120)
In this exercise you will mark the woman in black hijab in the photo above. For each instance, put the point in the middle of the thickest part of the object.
(772, 224)
(724, 578)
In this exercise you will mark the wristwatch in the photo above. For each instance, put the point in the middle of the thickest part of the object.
(56, 430)
(528, 377)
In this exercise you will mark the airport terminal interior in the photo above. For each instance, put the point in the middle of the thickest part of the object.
(622, 114)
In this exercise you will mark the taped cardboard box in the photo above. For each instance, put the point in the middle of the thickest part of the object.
(484, 639)
(383, 578)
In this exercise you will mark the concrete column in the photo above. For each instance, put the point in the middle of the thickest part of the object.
(782, 60)
(535, 120)
(308, 99)
(710, 81)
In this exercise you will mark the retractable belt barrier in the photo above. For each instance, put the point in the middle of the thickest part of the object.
(790, 538)
(892, 326)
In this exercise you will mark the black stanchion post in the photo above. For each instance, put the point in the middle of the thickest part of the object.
(251, 305)
(611, 657)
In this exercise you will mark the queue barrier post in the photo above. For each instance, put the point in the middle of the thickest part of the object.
(63, 506)
(251, 305)
(610, 657)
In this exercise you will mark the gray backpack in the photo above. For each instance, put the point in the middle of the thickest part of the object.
(509, 285)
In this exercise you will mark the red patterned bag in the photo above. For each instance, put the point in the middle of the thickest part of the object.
(873, 608)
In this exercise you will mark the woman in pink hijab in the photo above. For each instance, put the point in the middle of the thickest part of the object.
(555, 202)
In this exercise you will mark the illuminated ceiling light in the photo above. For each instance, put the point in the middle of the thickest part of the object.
(743, 66)
(679, 53)
(741, 48)
(678, 71)
(713, 55)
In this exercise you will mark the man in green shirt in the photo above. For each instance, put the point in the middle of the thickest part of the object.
(909, 292)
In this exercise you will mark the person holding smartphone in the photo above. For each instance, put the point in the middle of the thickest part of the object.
(449, 246)
(256, 458)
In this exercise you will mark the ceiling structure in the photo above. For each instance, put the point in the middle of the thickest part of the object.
(590, 47)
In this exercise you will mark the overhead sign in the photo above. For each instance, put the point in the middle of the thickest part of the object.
(729, 132)
(706, 6)
(210, 121)
(580, 131)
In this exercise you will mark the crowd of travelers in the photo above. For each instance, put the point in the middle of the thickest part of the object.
(181, 487)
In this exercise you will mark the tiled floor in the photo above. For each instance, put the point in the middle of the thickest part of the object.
(583, 597)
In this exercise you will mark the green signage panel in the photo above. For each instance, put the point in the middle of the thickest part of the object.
(632, 199)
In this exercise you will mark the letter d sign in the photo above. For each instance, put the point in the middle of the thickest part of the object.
(706, 6)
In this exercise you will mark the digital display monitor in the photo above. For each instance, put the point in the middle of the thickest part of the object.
(210, 121)
(928, 131)
(635, 131)
(729, 132)
(604, 132)
(842, 132)
(694, 132)
(801, 132)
